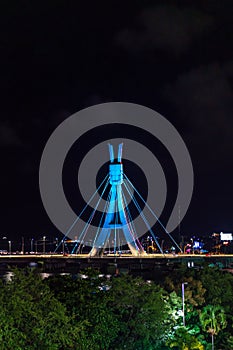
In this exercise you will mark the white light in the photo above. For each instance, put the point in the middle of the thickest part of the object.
(226, 236)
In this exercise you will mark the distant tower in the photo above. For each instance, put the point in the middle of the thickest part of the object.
(116, 217)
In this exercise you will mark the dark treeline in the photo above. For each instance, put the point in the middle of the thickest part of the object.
(91, 311)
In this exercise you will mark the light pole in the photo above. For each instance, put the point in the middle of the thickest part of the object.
(22, 245)
(9, 247)
(183, 307)
(32, 239)
(44, 244)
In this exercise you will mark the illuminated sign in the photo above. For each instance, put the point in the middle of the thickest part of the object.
(198, 245)
(226, 236)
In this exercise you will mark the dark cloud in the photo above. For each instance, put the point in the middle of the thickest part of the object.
(166, 27)
(203, 99)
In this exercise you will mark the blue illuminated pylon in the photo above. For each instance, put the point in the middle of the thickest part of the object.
(116, 218)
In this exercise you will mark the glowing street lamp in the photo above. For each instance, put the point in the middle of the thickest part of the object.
(9, 242)
(44, 238)
(183, 306)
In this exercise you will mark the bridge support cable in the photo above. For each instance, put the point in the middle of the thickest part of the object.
(115, 218)
(130, 221)
(87, 224)
(102, 216)
(82, 211)
(153, 213)
(143, 217)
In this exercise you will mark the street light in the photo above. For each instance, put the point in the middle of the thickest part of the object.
(44, 244)
(182, 287)
(32, 240)
(9, 247)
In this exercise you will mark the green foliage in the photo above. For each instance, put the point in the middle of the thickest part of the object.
(141, 311)
(98, 313)
(123, 312)
(213, 319)
(29, 313)
(182, 339)
(194, 291)
(88, 304)
(205, 286)
(224, 340)
(218, 285)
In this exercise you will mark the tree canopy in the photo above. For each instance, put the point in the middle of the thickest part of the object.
(92, 311)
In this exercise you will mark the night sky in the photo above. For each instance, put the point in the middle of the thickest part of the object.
(58, 57)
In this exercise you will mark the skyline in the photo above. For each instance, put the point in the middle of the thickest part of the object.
(172, 56)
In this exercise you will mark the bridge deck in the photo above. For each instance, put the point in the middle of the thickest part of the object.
(149, 262)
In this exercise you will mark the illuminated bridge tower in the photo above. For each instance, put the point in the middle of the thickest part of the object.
(116, 217)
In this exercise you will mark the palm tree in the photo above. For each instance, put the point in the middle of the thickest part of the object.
(213, 319)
